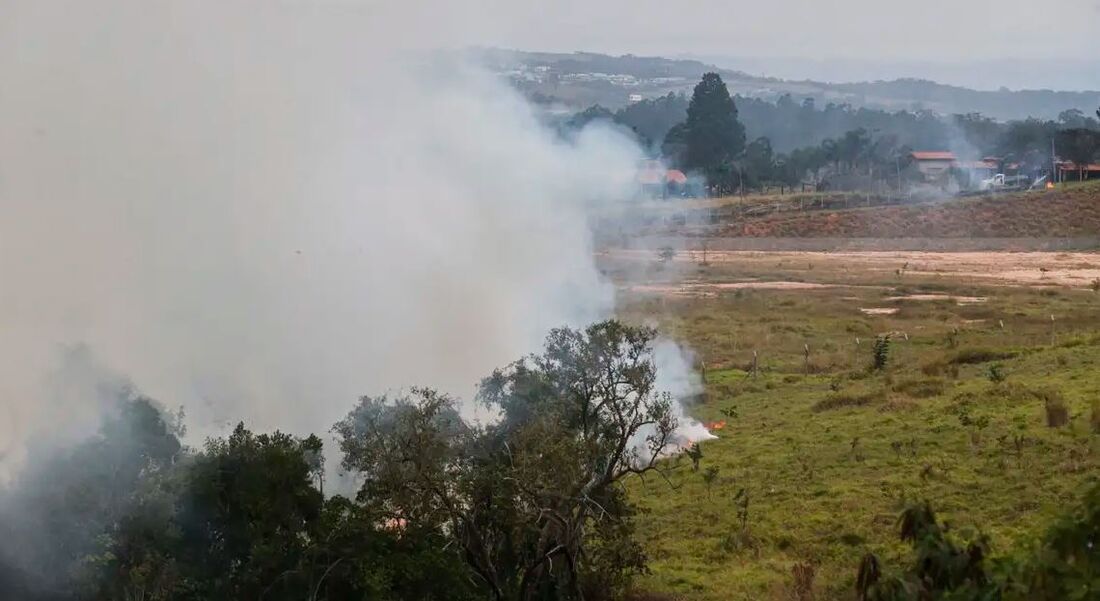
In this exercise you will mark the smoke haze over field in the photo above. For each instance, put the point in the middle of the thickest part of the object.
(260, 211)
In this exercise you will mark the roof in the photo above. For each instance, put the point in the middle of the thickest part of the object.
(928, 155)
(676, 176)
(978, 165)
(1070, 166)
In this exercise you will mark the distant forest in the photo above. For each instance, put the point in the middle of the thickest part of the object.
(739, 142)
(789, 125)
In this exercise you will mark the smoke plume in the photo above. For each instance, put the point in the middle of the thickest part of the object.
(260, 211)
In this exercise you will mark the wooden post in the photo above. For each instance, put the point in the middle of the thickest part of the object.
(1052, 330)
(755, 364)
(806, 349)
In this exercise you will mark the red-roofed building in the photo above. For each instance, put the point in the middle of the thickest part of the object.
(934, 155)
(933, 164)
(657, 181)
(1068, 170)
(675, 176)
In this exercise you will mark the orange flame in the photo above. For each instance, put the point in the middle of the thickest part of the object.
(716, 425)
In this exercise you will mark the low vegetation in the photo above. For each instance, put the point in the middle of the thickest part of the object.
(1067, 211)
(977, 412)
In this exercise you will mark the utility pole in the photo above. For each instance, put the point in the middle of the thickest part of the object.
(897, 164)
(1053, 163)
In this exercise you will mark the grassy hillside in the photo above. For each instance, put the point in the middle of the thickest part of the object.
(828, 452)
(1072, 210)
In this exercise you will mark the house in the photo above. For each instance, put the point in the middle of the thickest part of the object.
(657, 181)
(1068, 170)
(983, 169)
(933, 165)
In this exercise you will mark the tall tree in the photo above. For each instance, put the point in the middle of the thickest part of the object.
(534, 502)
(713, 134)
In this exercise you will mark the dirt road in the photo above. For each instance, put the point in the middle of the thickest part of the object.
(1071, 269)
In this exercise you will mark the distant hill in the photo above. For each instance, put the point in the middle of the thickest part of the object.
(578, 80)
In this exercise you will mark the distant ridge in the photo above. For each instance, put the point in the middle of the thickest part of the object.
(581, 79)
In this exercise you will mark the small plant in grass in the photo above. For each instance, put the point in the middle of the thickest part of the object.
(710, 476)
(996, 373)
(1056, 411)
(953, 338)
(695, 453)
(740, 537)
(1094, 417)
(976, 424)
(1095, 285)
(857, 449)
(881, 352)
(730, 412)
(741, 501)
(803, 576)
(805, 462)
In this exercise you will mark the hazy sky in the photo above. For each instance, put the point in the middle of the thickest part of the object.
(941, 30)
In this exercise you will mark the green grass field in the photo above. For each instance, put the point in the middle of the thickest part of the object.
(828, 451)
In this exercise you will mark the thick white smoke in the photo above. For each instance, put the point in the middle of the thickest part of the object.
(260, 211)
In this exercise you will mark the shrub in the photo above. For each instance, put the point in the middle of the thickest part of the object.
(940, 367)
(710, 475)
(921, 388)
(840, 400)
(803, 576)
(996, 373)
(881, 352)
(974, 356)
(1057, 412)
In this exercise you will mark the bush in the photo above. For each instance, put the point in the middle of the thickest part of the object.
(921, 388)
(974, 356)
(940, 367)
(1057, 412)
(839, 400)
(881, 353)
(996, 373)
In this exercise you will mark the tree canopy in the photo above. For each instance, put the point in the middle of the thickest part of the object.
(525, 508)
(713, 135)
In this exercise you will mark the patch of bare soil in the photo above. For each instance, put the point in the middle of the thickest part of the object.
(712, 289)
(879, 310)
(1071, 269)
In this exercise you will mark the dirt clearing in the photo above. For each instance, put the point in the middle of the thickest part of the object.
(1069, 269)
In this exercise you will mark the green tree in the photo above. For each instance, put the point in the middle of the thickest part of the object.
(532, 502)
(759, 162)
(67, 505)
(713, 134)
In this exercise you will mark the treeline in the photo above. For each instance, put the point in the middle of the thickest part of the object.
(531, 507)
(787, 139)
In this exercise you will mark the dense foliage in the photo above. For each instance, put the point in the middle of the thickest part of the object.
(525, 508)
(790, 139)
(1064, 564)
